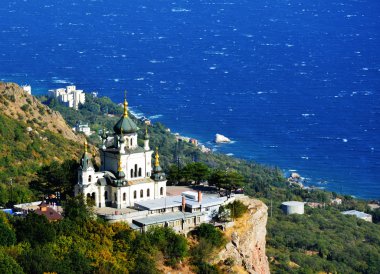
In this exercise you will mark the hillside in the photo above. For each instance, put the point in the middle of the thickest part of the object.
(32, 137)
(17, 104)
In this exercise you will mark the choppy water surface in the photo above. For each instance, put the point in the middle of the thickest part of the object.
(293, 83)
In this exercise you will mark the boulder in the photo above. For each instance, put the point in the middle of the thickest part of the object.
(221, 139)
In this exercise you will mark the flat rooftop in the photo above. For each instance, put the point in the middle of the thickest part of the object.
(293, 203)
(358, 214)
(113, 211)
(176, 201)
(166, 217)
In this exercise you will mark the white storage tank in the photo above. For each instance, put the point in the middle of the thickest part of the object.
(293, 207)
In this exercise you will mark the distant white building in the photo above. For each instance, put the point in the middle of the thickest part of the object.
(27, 89)
(336, 201)
(293, 207)
(84, 128)
(359, 214)
(70, 96)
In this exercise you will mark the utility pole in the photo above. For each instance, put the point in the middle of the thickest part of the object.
(271, 207)
(11, 200)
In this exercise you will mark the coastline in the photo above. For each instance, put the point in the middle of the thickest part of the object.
(310, 182)
(233, 149)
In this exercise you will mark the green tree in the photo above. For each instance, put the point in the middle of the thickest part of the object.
(38, 260)
(228, 180)
(8, 265)
(237, 209)
(173, 246)
(196, 171)
(211, 234)
(76, 209)
(56, 177)
(34, 229)
(7, 235)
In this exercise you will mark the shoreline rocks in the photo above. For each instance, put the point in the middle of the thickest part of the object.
(221, 139)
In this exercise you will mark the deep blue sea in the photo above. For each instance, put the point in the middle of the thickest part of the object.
(295, 84)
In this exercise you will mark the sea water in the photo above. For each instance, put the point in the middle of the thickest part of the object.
(294, 84)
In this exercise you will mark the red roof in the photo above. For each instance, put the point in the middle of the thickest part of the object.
(49, 213)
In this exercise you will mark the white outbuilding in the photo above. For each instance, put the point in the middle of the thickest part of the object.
(293, 207)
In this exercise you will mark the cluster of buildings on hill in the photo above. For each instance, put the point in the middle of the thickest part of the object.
(72, 97)
(127, 181)
(193, 141)
(69, 96)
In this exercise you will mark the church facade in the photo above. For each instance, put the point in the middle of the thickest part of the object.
(126, 173)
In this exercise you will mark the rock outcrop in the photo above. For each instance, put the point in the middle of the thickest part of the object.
(221, 139)
(19, 105)
(246, 247)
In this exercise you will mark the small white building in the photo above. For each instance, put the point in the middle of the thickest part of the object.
(70, 96)
(27, 89)
(336, 201)
(293, 207)
(84, 128)
(359, 214)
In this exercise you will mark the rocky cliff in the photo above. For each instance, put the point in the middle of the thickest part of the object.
(246, 248)
(17, 104)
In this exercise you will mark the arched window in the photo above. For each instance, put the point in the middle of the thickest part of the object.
(141, 193)
(115, 197)
(161, 191)
(140, 172)
(93, 195)
(124, 196)
(148, 192)
(105, 195)
(131, 141)
(134, 194)
(135, 174)
(131, 173)
(89, 178)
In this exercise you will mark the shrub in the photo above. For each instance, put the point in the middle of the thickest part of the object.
(237, 209)
(211, 234)
(206, 268)
(7, 235)
(25, 107)
(172, 245)
(8, 264)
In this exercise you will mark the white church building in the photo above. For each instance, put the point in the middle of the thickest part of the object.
(126, 175)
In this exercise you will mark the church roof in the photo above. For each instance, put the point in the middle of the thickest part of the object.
(158, 174)
(125, 124)
(86, 162)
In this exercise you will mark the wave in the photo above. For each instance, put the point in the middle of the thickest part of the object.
(180, 10)
(155, 116)
(59, 81)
